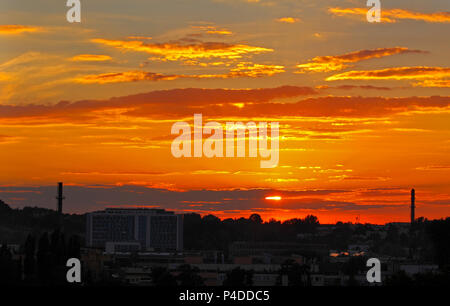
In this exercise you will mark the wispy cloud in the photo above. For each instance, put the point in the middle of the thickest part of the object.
(123, 77)
(210, 29)
(248, 69)
(288, 20)
(5, 139)
(397, 73)
(4, 77)
(223, 104)
(243, 69)
(393, 15)
(177, 51)
(434, 167)
(350, 87)
(433, 83)
(13, 29)
(338, 62)
(90, 58)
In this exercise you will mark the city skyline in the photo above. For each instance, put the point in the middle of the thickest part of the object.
(183, 199)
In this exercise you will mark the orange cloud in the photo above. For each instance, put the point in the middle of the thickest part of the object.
(220, 32)
(392, 15)
(91, 58)
(350, 87)
(213, 30)
(12, 29)
(337, 62)
(434, 167)
(5, 139)
(288, 20)
(175, 51)
(255, 70)
(356, 11)
(140, 37)
(4, 77)
(433, 83)
(123, 77)
(243, 69)
(400, 73)
(246, 69)
(221, 103)
(349, 107)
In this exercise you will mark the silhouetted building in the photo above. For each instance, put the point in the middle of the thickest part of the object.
(153, 229)
(60, 198)
(413, 206)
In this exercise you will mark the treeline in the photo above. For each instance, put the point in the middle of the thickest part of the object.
(41, 261)
(211, 233)
(438, 232)
(16, 224)
(431, 239)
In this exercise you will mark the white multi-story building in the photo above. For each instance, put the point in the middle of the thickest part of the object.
(153, 229)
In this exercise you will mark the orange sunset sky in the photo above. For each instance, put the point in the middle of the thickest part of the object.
(363, 108)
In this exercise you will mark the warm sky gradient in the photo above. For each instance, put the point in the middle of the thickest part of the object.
(364, 109)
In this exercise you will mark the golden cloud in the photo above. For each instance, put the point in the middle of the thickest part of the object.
(338, 62)
(288, 20)
(213, 30)
(12, 29)
(91, 58)
(433, 83)
(398, 73)
(140, 37)
(4, 77)
(175, 51)
(392, 15)
(255, 70)
(351, 87)
(246, 69)
(243, 69)
(123, 77)
(221, 103)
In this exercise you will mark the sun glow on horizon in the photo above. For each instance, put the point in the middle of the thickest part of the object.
(273, 198)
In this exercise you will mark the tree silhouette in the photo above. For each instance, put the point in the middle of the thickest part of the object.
(298, 275)
(189, 277)
(352, 267)
(6, 265)
(439, 233)
(58, 247)
(255, 218)
(43, 259)
(74, 247)
(162, 277)
(238, 278)
(29, 260)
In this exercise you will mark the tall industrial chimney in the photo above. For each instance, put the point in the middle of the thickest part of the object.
(413, 206)
(60, 198)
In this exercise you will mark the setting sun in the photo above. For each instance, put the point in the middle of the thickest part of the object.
(274, 198)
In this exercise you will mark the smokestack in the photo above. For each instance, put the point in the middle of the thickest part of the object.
(413, 206)
(60, 198)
